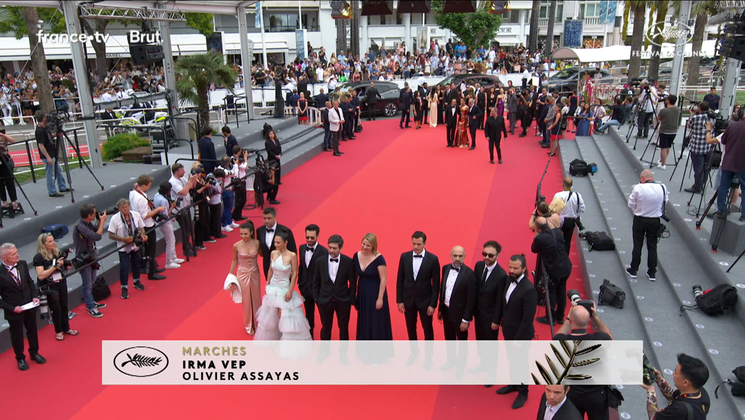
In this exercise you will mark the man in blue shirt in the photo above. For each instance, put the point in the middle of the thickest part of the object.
(713, 99)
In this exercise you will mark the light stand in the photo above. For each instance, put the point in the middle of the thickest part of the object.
(61, 137)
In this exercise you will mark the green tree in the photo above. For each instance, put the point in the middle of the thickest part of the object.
(202, 22)
(196, 74)
(700, 10)
(660, 9)
(473, 29)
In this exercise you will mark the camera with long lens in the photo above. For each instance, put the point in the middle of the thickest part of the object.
(576, 299)
(109, 211)
(648, 375)
(211, 179)
(85, 258)
(197, 170)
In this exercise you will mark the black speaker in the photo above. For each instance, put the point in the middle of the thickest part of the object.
(146, 53)
(377, 7)
(459, 6)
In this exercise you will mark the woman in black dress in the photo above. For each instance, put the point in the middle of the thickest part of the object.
(49, 264)
(373, 313)
(418, 110)
(440, 105)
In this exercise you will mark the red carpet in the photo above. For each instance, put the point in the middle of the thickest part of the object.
(390, 182)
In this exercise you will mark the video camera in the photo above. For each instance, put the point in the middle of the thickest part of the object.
(576, 299)
(720, 123)
(56, 121)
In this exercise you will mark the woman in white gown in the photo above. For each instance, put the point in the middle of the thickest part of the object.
(281, 313)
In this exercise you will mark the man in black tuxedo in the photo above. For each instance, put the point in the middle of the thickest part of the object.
(457, 304)
(310, 251)
(481, 102)
(274, 153)
(265, 235)
(514, 312)
(494, 129)
(16, 290)
(372, 100)
(418, 286)
(559, 407)
(451, 121)
(549, 245)
(334, 288)
(321, 98)
(207, 156)
(475, 114)
(327, 144)
(406, 99)
(453, 94)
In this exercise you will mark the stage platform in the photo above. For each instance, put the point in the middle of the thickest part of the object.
(652, 309)
(300, 143)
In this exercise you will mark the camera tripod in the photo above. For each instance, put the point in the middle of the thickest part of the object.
(734, 186)
(686, 140)
(4, 162)
(61, 136)
(706, 173)
(651, 161)
(647, 100)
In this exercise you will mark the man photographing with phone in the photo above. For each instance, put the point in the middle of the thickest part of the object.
(690, 400)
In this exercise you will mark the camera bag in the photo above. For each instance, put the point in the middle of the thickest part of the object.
(600, 241)
(100, 289)
(738, 388)
(578, 167)
(57, 230)
(612, 295)
(717, 300)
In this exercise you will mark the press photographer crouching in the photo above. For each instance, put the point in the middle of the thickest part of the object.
(50, 267)
(690, 400)
(128, 230)
(592, 400)
(85, 235)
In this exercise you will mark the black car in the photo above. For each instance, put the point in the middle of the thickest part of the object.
(566, 80)
(388, 103)
(485, 80)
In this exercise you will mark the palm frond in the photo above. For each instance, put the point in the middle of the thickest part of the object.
(567, 360)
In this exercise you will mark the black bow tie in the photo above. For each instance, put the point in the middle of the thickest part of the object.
(418, 256)
(336, 260)
(10, 267)
(455, 268)
(513, 280)
(269, 230)
(311, 250)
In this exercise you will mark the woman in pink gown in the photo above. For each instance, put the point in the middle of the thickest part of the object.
(245, 257)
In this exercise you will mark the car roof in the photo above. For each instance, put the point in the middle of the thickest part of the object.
(367, 82)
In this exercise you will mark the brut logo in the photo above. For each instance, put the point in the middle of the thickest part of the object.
(669, 33)
(141, 361)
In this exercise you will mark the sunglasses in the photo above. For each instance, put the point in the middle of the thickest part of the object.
(486, 254)
(310, 237)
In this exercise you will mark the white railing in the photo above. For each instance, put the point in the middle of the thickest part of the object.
(591, 21)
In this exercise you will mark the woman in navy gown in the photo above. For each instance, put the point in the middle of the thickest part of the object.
(373, 314)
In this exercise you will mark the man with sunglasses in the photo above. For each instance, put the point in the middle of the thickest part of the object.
(491, 280)
(309, 252)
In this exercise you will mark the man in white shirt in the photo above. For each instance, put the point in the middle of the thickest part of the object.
(647, 201)
(182, 185)
(526, 77)
(575, 206)
(124, 228)
(647, 102)
(556, 406)
(147, 210)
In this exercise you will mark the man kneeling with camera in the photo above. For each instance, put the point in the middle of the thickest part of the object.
(128, 230)
(590, 399)
(690, 400)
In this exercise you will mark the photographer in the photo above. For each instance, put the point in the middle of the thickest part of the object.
(647, 100)
(574, 206)
(647, 201)
(49, 266)
(49, 152)
(589, 399)
(128, 230)
(85, 235)
(181, 185)
(733, 161)
(690, 397)
(163, 200)
(228, 197)
(698, 148)
(549, 245)
(240, 164)
(147, 210)
(669, 118)
(6, 175)
(202, 233)
(214, 192)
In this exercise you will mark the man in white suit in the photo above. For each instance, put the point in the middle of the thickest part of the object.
(336, 121)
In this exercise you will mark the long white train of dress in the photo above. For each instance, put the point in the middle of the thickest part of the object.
(277, 319)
